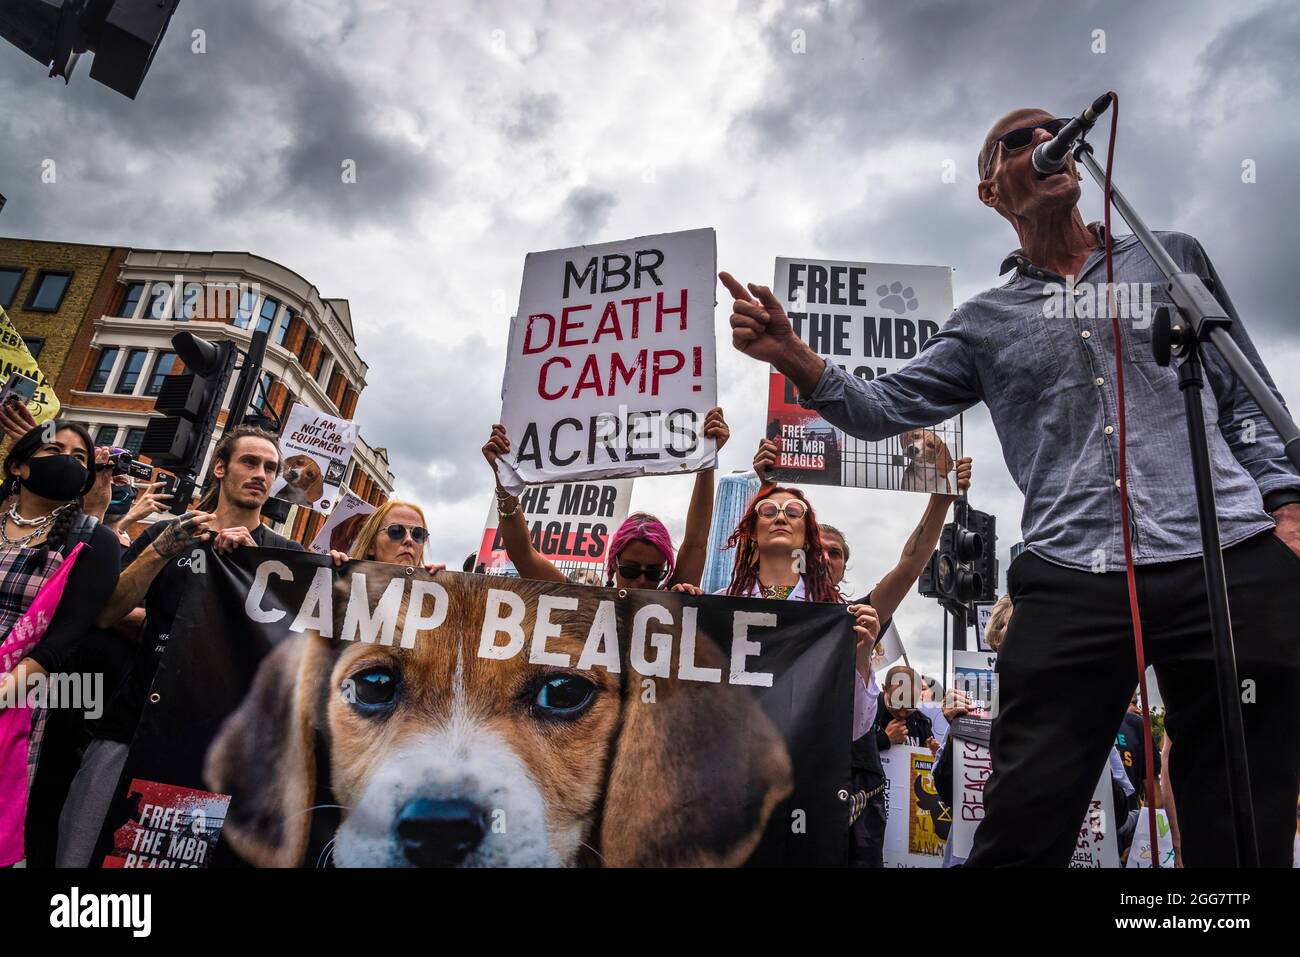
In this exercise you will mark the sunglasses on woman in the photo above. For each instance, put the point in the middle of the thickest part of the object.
(397, 532)
(1015, 141)
(793, 510)
(632, 571)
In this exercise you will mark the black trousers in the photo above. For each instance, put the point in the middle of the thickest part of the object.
(1067, 669)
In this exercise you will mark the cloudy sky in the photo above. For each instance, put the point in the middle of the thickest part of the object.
(482, 131)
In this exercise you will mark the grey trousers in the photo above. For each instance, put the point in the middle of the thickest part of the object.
(88, 801)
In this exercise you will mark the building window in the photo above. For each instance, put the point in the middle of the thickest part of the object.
(247, 300)
(262, 394)
(282, 331)
(99, 378)
(163, 366)
(10, 277)
(106, 435)
(267, 315)
(321, 369)
(126, 382)
(130, 300)
(34, 345)
(48, 290)
(133, 439)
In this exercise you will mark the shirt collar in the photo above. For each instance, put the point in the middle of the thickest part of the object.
(798, 594)
(1017, 260)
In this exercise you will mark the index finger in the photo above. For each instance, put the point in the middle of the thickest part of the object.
(734, 287)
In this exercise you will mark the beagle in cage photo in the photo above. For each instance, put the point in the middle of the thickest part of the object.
(373, 755)
(929, 463)
(303, 481)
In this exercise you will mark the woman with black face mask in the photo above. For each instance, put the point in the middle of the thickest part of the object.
(46, 473)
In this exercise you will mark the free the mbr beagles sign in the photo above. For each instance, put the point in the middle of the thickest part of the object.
(611, 365)
(358, 716)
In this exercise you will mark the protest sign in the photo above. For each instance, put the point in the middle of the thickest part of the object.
(315, 447)
(975, 672)
(971, 768)
(889, 649)
(570, 524)
(611, 368)
(341, 528)
(16, 357)
(1139, 853)
(1098, 843)
(983, 612)
(869, 319)
(328, 705)
(918, 822)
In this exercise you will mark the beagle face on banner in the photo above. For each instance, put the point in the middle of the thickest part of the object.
(304, 482)
(438, 757)
(928, 461)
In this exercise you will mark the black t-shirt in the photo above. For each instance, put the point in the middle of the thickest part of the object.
(1128, 741)
(161, 602)
(87, 590)
(919, 727)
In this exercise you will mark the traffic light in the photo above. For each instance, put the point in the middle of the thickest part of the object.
(965, 567)
(189, 402)
(123, 34)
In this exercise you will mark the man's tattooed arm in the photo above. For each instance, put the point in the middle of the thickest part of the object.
(186, 532)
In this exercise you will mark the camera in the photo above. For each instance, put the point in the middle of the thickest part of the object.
(123, 462)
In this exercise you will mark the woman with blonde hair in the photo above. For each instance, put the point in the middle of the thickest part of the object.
(396, 533)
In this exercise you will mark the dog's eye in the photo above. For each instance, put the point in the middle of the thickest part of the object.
(565, 696)
(371, 689)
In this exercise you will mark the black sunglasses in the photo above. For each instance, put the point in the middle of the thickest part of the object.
(397, 532)
(632, 571)
(1013, 141)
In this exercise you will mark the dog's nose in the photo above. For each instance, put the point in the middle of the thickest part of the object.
(439, 833)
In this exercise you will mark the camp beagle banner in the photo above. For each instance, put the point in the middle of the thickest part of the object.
(869, 319)
(611, 365)
(16, 357)
(373, 715)
(315, 447)
(569, 523)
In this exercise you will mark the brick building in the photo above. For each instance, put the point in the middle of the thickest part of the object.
(109, 340)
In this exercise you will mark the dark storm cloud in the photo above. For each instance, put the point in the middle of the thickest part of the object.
(880, 73)
(268, 117)
(586, 210)
(534, 117)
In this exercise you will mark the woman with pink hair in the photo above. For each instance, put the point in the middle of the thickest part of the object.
(640, 553)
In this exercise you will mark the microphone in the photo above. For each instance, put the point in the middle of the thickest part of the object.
(1050, 157)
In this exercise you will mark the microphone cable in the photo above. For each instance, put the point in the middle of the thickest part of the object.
(1134, 610)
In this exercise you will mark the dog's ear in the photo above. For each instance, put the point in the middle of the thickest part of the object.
(942, 457)
(697, 771)
(264, 758)
(317, 488)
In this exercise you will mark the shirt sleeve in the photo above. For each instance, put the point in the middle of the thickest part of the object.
(87, 590)
(864, 704)
(1249, 434)
(939, 383)
(1119, 775)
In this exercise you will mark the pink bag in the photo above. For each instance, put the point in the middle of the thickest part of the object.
(16, 719)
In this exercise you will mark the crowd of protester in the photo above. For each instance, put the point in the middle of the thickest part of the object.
(60, 492)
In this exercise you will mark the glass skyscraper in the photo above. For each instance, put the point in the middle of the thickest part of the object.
(733, 493)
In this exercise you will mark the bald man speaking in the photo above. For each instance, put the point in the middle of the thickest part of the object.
(1067, 666)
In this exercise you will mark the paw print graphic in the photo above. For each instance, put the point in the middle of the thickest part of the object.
(896, 298)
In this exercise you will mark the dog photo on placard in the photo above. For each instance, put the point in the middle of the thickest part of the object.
(928, 466)
(303, 478)
(372, 754)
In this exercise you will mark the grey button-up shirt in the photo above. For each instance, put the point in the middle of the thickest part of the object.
(1048, 380)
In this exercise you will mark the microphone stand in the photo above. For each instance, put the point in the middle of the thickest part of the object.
(1198, 318)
